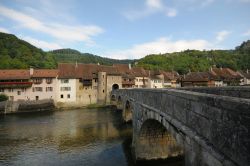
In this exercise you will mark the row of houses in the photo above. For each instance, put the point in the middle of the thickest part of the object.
(78, 84)
(83, 84)
(215, 77)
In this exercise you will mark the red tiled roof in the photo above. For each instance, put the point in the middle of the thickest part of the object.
(245, 74)
(66, 70)
(225, 73)
(84, 71)
(139, 72)
(122, 67)
(170, 75)
(199, 77)
(14, 74)
(45, 73)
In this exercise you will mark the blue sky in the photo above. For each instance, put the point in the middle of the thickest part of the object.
(128, 28)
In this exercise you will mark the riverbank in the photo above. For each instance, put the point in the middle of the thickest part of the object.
(13, 107)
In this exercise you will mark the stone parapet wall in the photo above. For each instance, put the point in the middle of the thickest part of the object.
(234, 91)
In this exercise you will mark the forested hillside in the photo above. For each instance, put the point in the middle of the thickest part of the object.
(70, 55)
(19, 54)
(194, 60)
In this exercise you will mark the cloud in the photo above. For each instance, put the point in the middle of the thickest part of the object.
(4, 30)
(150, 7)
(64, 32)
(247, 33)
(160, 45)
(42, 44)
(222, 35)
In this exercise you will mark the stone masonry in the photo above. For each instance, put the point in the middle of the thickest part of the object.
(209, 129)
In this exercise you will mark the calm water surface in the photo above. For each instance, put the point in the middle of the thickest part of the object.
(76, 137)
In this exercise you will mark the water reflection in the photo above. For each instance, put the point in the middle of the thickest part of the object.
(75, 137)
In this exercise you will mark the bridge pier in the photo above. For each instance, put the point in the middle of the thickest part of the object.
(155, 142)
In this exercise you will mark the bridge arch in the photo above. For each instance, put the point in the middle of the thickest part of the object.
(127, 111)
(113, 100)
(154, 141)
(115, 86)
(119, 103)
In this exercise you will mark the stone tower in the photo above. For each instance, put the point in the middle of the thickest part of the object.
(102, 87)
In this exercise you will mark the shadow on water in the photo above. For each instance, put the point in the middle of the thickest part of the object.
(174, 161)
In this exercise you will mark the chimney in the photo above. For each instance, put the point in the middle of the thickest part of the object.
(98, 63)
(76, 65)
(129, 66)
(31, 71)
(220, 68)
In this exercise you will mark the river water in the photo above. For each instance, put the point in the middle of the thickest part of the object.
(88, 137)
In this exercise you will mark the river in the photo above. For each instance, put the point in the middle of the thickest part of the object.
(88, 137)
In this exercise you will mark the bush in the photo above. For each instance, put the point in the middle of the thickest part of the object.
(3, 97)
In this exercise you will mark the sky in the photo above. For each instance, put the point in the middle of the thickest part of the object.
(128, 29)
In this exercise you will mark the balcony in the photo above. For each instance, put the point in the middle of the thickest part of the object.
(15, 84)
(128, 82)
(86, 82)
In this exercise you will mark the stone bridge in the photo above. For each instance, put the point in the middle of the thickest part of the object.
(209, 127)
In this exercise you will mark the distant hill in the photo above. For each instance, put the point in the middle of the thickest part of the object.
(19, 54)
(194, 60)
(70, 55)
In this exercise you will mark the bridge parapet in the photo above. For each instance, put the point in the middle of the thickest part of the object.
(233, 91)
(213, 129)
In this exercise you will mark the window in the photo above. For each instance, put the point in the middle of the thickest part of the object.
(68, 96)
(65, 88)
(1, 90)
(103, 90)
(37, 89)
(10, 90)
(64, 81)
(23, 89)
(61, 96)
(49, 89)
(18, 92)
(37, 97)
(37, 81)
(48, 80)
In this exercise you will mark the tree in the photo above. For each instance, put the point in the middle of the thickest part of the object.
(3, 97)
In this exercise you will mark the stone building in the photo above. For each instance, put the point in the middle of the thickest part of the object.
(16, 84)
(90, 83)
(245, 77)
(30, 84)
(171, 79)
(44, 84)
(196, 79)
